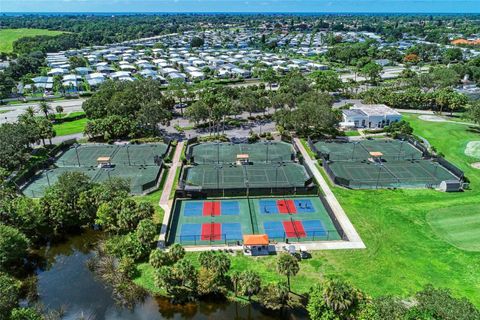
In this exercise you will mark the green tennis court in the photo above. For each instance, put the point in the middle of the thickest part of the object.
(39, 183)
(225, 221)
(360, 150)
(126, 154)
(139, 164)
(141, 178)
(390, 174)
(247, 176)
(399, 164)
(270, 151)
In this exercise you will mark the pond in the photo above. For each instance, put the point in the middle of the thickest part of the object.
(65, 282)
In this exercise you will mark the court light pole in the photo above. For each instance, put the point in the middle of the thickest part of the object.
(354, 145)
(48, 179)
(128, 156)
(378, 176)
(78, 158)
(268, 143)
(276, 174)
(401, 147)
(109, 178)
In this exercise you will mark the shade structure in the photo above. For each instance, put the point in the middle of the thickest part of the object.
(255, 239)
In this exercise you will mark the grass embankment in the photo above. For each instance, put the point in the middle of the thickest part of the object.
(9, 36)
(404, 252)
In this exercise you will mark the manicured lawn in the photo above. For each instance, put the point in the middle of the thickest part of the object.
(352, 133)
(404, 252)
(70, 127)
(9, 36)
(457, 225)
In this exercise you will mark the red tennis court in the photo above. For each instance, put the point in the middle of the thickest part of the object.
(211, 231)
(211, 208)
(294, 229)
(286, 206)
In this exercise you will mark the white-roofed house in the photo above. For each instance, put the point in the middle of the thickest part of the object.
(57, 72)
(95, 79)
(196, 75)
(370, 116)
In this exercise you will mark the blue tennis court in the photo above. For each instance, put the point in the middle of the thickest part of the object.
(190, 231)
(314, 228)
(274, 229)
(230, 208)
(193, 209)
(232, 231)
(304, 206)
(268, 207)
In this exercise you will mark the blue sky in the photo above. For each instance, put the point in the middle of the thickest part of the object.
(421, 6)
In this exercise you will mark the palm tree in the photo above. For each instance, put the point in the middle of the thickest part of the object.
(30, 112)
(250, 283)
(235, 277)
(288, 266)
(340, 296)
(45, 108)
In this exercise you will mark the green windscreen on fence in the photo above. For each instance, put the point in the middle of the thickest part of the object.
(246, 176)
(400, 164)
(360, 150)
(139, 164)
(271, 151)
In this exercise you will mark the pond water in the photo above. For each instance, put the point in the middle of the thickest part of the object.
(65, 282)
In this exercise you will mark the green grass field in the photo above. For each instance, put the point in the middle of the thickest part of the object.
(457, 225)
(70, 127)
(9, 36)
(405, 247)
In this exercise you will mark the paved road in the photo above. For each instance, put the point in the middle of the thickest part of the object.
(71, 105)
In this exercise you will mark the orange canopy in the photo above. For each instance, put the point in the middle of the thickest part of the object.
(255, 239)
(376, 154)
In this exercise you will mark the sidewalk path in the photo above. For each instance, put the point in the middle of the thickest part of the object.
(165, 201)
(354, 240)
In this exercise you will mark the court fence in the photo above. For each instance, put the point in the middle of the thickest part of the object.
(53, 163)
(196, 192)
(394, 182)
(22, 178)
(224, 239)
(246, 189)
(231, 158)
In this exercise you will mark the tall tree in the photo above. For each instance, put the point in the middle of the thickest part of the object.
(250, 283)
(288, 266)
(13, 247)
(326, 80)
(45, 108)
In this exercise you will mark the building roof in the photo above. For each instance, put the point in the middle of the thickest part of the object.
(255, 239)
(353, 112)
(376, 110)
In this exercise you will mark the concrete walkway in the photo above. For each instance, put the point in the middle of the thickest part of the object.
(165, 201)
(354, 240)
